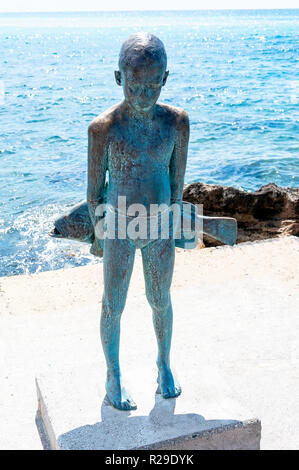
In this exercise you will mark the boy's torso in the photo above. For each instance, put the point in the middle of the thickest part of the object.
(139, 154)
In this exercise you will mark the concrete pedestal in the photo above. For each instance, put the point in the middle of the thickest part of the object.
(74, 414)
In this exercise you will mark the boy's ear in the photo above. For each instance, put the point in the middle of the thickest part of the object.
(117, 75)
(165, 77)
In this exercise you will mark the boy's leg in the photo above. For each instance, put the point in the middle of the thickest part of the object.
(158, 262)
(118, 265)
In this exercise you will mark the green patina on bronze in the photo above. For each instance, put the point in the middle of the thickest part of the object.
(142, 146)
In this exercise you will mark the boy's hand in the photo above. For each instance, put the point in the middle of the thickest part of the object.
(97, 248)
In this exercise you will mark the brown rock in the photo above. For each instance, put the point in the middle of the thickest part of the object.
(269, 212)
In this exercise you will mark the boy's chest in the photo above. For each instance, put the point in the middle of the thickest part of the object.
(154, 143)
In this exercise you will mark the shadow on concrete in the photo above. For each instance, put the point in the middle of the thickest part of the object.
(119, 430)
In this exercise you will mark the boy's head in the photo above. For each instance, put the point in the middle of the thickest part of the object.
(142, 70)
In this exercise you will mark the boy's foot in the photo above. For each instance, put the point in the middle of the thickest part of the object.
(117, 394)
(168, 385)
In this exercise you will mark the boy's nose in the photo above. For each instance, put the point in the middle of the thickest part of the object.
(146, 93)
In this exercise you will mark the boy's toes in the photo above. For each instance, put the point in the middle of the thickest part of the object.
(124, 405)
(172, 392)
(128, 405)
(119, 405)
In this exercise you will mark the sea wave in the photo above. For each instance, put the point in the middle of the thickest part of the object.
(233, 71)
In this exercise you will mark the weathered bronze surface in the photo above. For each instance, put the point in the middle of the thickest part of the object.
(137, 150)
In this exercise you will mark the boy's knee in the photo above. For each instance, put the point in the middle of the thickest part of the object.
(158, 302)
(112, 307)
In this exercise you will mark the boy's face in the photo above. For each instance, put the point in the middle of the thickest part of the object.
(142, 85)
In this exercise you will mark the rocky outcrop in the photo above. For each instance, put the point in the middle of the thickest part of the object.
(268, 212)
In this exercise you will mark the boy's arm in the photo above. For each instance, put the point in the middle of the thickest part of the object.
(178, 160)
(97, 166)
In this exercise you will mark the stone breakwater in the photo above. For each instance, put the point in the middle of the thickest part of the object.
(269, 212)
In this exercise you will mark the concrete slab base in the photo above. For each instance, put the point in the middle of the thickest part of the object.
(73, 413)
(235, 310)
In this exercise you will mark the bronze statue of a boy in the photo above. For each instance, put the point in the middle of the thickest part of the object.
(143, 146)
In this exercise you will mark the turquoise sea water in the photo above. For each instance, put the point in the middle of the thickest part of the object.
(235, 72)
